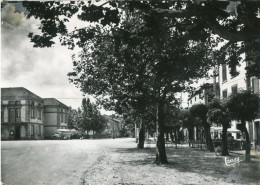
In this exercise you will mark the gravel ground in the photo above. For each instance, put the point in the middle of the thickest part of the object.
(187, 166)
(116, 161)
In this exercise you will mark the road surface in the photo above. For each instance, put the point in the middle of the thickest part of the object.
(116, 161)
(54, 162)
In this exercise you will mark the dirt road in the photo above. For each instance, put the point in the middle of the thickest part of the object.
(109, 161)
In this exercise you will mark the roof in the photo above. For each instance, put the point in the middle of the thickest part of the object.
(13, 93)
(53, 101)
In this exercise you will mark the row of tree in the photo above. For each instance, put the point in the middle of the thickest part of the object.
(87, 118)
(136, 55)
(242, 106)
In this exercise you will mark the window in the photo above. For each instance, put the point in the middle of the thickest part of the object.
(17, 115)
(238, 136)
(233, 71)
(36, 112)
(32, 130)
(39, 114)
(195, 98)
(224, 93)
(66, 118)
(201, 95)
(40, 130)
(11, 114)
(33, 112)
(234, 89)
(255, 85)
(17, 102)
(224, 72)
(61, 116)
(190, 101)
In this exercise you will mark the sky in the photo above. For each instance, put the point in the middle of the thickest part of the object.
(43, 71)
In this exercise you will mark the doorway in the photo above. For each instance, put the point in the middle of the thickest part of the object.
(17, 132)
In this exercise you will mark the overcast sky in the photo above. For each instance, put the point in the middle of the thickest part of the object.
(40, 70)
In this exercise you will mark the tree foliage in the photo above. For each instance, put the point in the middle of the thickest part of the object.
(219, 115)
(237, 23)
(244, 106)
(136, 52)
(91, 117)
(200, 111)
(74, 118)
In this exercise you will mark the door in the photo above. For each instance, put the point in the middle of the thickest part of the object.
(17, 132)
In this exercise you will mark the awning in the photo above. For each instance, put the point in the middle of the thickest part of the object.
(231, 130)
(63, 130)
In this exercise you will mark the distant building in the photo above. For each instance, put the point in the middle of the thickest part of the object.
(204, 94)
(24, 115)
(114, 127)
(21, 114)
(55, 116)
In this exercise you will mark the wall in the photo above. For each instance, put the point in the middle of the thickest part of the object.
(49, 131)
(239, 80)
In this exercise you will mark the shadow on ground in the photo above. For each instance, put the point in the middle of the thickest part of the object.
(188, 160)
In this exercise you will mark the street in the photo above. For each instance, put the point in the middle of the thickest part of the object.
(52, 161)
(115, 161)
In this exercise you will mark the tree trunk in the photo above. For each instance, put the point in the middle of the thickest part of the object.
(248, 144)
(141, 135)
(208, 137)
(224, 141)
(161, 157)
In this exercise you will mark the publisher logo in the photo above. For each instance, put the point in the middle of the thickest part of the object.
(231, 161)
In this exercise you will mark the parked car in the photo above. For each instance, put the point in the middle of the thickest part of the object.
(56, 136)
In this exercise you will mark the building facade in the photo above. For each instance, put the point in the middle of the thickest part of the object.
(55, 116)
(24, 115)
(114, 127)
(21, 114)
(232, 84)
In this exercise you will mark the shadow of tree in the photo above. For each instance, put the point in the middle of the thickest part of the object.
(188, 160)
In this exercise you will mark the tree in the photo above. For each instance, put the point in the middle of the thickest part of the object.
(124, 28)
(218, 114)
(233, 21)
(98, 122)
(200, 111)
(188, 122)
(244, 106)
(91, 117)
(141, 62)
(87, 115)
(73, 118)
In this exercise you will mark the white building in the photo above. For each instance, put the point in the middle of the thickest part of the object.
(232, 84)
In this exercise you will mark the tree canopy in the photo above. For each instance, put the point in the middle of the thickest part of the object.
(236, 22)
(136, 52)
